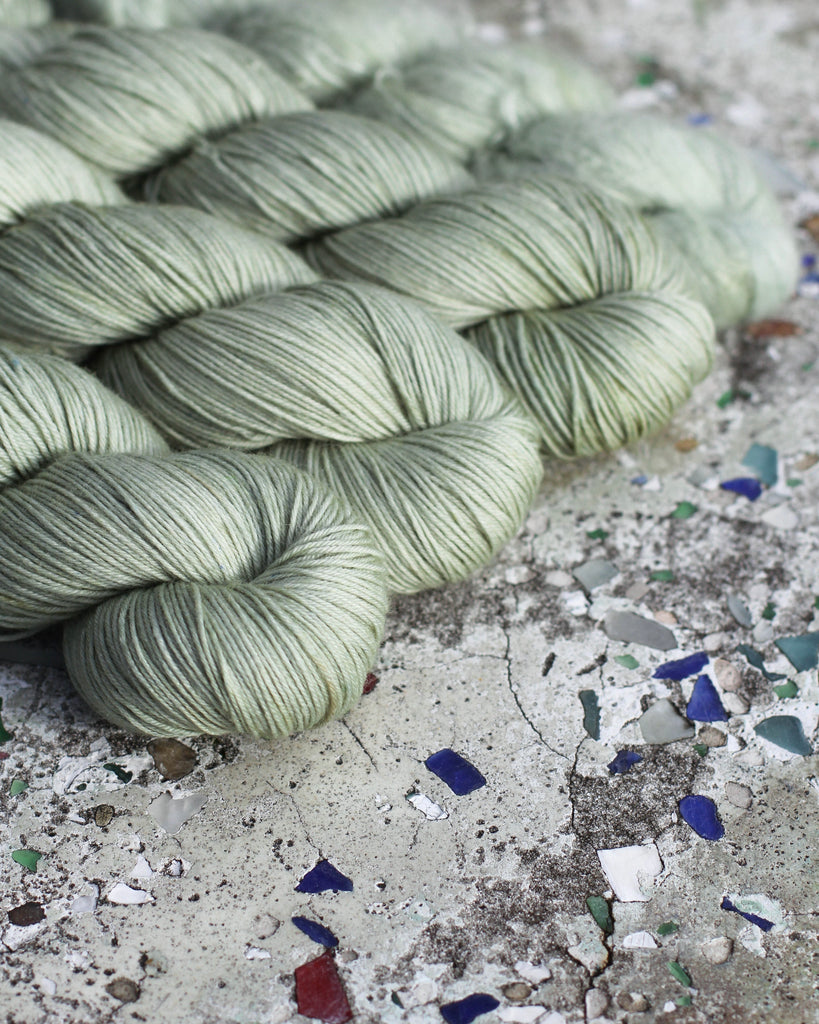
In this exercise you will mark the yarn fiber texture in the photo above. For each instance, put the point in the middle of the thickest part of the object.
(708, 203)
(523, 266)
(326, 47)
(466, 97)
(210, 339)
(305, 174)
(19, 13)
(206, 592)
(131, 101)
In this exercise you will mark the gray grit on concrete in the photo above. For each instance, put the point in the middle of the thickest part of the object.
(487, 892)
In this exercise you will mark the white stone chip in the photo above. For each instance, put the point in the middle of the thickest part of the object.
(781, 517)
(430, 810)
(630, 868)
(171, 812)
(142, 869)
(521, 1014)
(535, 974)
(255, 953)
(639, 940)
(740, 796)
(718, 950)
(124, 895)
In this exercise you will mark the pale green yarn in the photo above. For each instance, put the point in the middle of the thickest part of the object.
(227, 592)
(325, 47)
(49, 407)
(304, 174)
(73, 278)
(533, 247)
(466, 97)
(37, 171)
(707, 201)
(19, 13)
(131, 101)
(143, 13)
(20, 46)
(499, 247)
(399, 416)
(591, 375)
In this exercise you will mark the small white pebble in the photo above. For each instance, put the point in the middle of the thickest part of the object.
(558, 578)
(726, 675)
(521, 1014)
(781, 517)
(255, 953)
(714, 642)
(735, 704)
(639, 940)
(763, 631)
(751, 757)
(717, 950)
(535, 974)
(597, 1002)
(740, 796)
(667, 618)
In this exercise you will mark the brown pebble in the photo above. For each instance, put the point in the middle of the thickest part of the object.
(103, 815)
(516, 992)
(811, 225)
(806, 462)
(26, 914)
(667, 618)
(727, 675)
(124, 989)
(772, 329)
(712, 737)
(686, 444)
(173, 760)
(632, 1002)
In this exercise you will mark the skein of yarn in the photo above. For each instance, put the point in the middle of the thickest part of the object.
(207, 592)
(525, 266)
(465, 97)
(707, 201)
(19, 13)
(402, 418)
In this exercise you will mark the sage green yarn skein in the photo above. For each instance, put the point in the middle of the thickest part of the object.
(50, 407)
(216, 592)
(131, 101)
(326, 47)
(400, 417)
(37, 171)
(73, 278)
(466, 97)
(519, 250)
(706, 199)
(19, 13)
(304, 174)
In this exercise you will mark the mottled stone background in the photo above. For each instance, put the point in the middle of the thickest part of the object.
(492, 895)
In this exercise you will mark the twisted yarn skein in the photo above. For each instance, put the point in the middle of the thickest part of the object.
(465, 97)
(565, 290)
(207, 592)
(707, 201)
(415, 431)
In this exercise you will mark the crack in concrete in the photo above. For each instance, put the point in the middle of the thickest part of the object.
(359, 742)
(507, 659)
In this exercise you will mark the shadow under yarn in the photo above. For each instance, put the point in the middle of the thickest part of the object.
(204, 592)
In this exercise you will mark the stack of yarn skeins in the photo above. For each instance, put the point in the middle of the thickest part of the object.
(294, 297)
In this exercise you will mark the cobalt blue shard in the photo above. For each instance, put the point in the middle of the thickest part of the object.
(315, 931)
(786, 732)
(324, 877)
(760, 922)
(705, 705)
(640, 480)
(682, 668)
(700, 812)
(464, 1011)
(808, 260)
(461, 776)
(801, 651)
(624, 761)
(755, 658)
(697, 119)
(763, 461)
(591, 713)
(748, 486)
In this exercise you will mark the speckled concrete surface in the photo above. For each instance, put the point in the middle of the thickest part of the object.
(487, 893)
